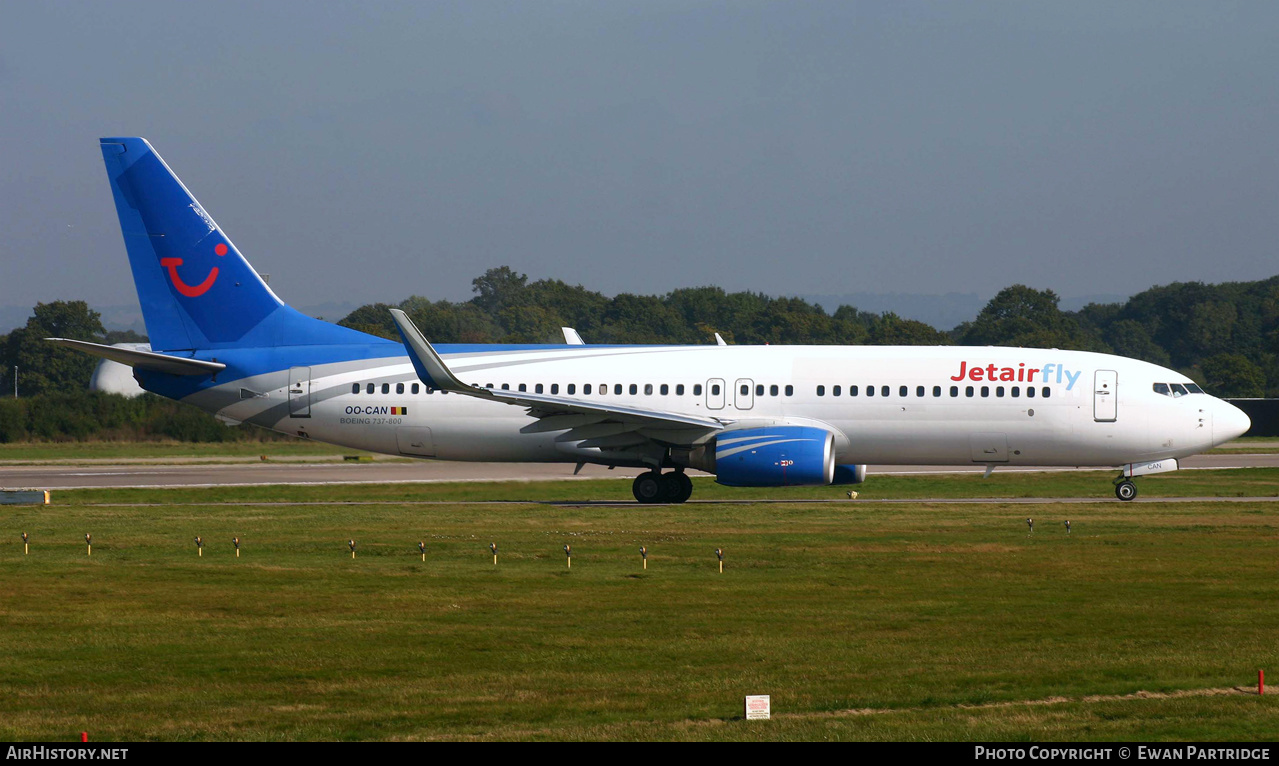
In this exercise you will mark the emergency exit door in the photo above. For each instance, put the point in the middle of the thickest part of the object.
(1105, 394)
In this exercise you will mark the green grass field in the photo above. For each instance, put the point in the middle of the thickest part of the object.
(863, 620)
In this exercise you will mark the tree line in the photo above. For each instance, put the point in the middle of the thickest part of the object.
(1223, 336)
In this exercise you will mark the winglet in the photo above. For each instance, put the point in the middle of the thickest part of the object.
(430, 367)
(571, 337)
(719, 341)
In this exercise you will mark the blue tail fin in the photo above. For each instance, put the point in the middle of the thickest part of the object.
(196, 290)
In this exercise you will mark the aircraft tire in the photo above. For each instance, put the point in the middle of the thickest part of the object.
(684, 487)
(648, 487)
(1125, 490)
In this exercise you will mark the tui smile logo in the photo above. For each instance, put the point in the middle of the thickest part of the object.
(192, 291)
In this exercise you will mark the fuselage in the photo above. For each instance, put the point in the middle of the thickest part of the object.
(886, 405)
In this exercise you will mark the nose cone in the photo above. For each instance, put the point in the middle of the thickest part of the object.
(1228, 422)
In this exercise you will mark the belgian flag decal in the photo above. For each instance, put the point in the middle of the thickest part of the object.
(399, 410)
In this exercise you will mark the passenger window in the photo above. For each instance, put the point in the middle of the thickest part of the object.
(954, 391)
(821, 390)
(523, 387)
(759, 389)
(617, 389)
(399, 388)
(648, 389)
(555, 388)
(746, 390)
(355, 388)
(834, 390)
(715, 390)
(870, 390)
(679, 389)
(1030, 392)
(506, 386)
(985, 391)
(697, 389)
(537, 389)
(772, 390)
(369, 389)
(1047, 392)
(919, 390)
(790, 390)
(999, 390)
(903, 391)
(634, 389)
(386, 388)
(415, 388)
(1016, 392)
(852, 390)
(883, 390)
(968, 391)
(586, 389)
(936, 391)
(664, 390)
(488, 385)
(572, 388)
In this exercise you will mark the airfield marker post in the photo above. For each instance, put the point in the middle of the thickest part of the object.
(421, 546)
(568, 552)
(199, 546)
(644, 556)
(493, 547)
(88, 540)
(26, 548)
(84, 736)
(236, 541)
(719, 554)
(1261, 682)
(351, 544)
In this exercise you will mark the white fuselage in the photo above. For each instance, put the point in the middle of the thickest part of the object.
(930, 405)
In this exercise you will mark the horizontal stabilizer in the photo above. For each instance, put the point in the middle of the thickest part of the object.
(144, 360)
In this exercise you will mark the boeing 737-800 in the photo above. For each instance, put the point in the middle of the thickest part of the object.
(221, 340)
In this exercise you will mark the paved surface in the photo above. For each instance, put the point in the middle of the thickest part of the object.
(99, 475)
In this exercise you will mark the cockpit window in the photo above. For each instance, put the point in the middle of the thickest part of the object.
(1177, 389)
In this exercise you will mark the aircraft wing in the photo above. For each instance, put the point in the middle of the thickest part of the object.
(597, 424)
(145, 360)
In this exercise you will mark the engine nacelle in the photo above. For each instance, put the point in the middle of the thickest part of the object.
(849, 474)
(776, 456)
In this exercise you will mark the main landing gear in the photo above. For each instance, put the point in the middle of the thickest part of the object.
(655, 487)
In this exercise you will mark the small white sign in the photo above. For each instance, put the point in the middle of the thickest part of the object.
(758, 707)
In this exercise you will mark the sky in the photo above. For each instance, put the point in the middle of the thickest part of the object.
(363, 152)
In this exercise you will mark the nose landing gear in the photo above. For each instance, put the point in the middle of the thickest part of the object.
(655, 487)
(1124, 489)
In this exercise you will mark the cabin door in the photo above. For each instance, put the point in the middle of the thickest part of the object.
(299, 392)
(1105, 391)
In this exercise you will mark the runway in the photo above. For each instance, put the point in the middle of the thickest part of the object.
(230, 472)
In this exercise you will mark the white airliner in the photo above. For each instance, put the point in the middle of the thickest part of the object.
(752, 415)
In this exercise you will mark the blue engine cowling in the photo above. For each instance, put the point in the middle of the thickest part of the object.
(849, 474)
(776, 456)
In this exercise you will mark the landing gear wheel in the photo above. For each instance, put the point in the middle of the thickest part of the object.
(648, 487)
(670, 488)
(684, 487)
(1125, 490)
